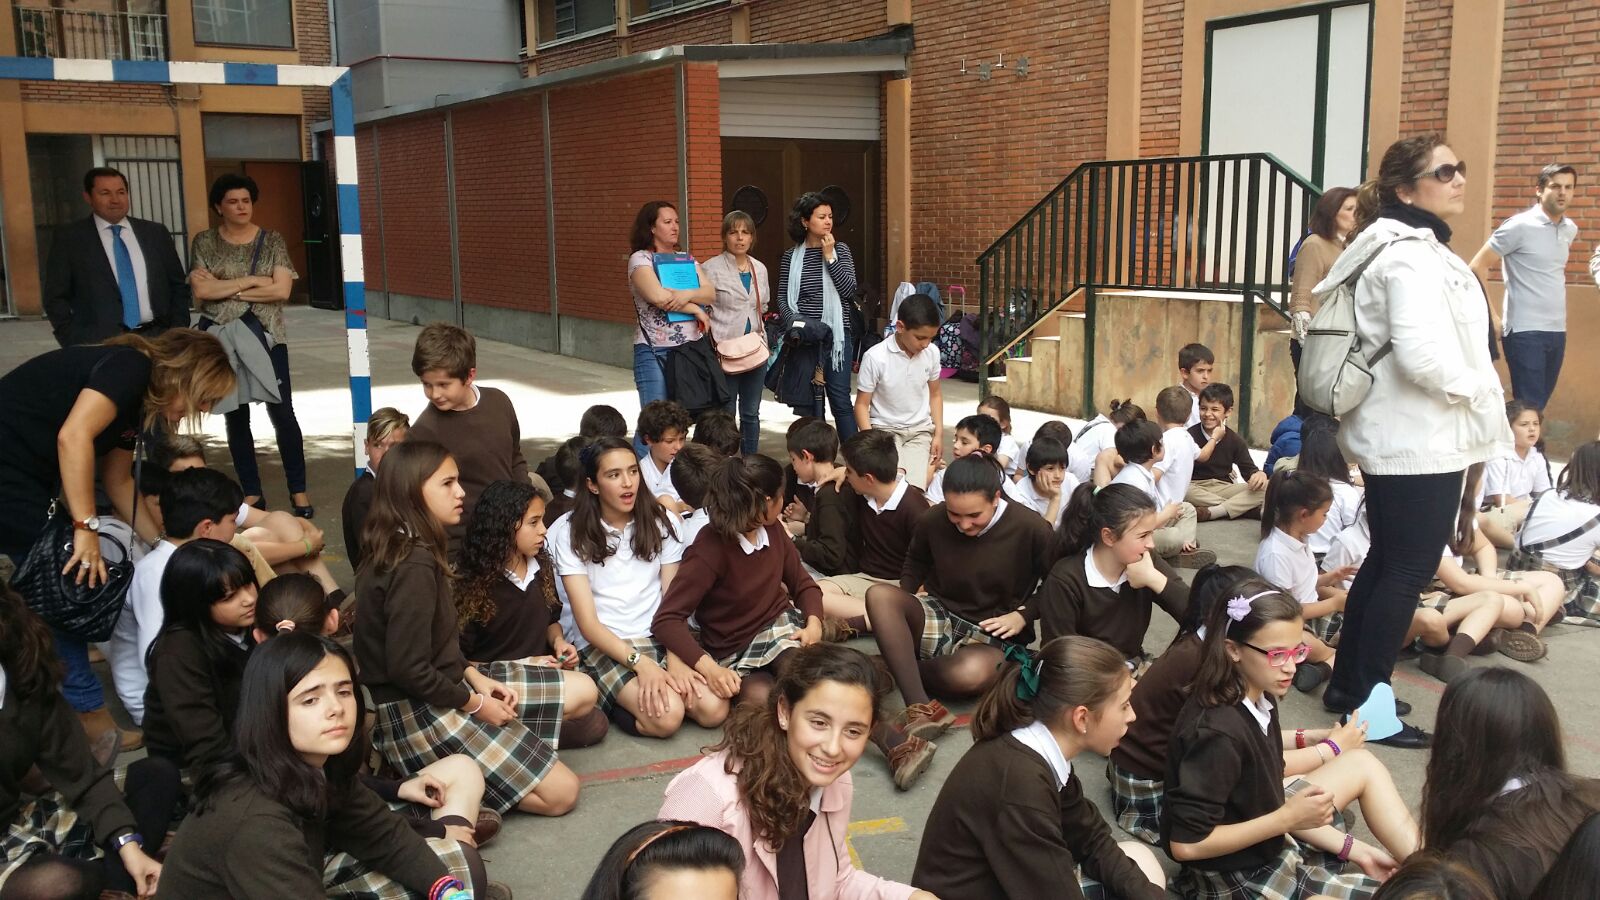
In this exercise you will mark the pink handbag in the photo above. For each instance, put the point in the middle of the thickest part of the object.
(747, 351)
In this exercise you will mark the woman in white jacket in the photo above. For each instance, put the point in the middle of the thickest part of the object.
(1435, 407)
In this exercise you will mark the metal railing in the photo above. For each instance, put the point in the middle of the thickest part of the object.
(1209, 224)
(76, 34)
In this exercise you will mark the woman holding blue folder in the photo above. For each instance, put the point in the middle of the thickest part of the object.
(818, 276)
(655, 230)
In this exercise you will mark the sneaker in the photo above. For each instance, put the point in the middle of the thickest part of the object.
(487, 826)
(1522, 646)
(925, 720)
(908, 761)
(1311, 675)
(1195, 559)
(1409, 737)
(1443, 666)
(836, 630)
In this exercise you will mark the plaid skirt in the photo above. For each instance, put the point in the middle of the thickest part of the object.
(611, 676)
(514, 757)
(1582, 606)
(1326, 627)
(1136, 802)
(1292, 876)
(767, 644)
(45, 825)
(944, 632)
(348, 878)
(1435, 600)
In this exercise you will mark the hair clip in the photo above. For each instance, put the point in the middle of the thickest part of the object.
(285, 625)
(1028, 675)
(1240, 606)
(674, 829)
(587, 455)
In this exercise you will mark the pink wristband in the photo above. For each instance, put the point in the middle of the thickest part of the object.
(1330, 743)
(1349, 842)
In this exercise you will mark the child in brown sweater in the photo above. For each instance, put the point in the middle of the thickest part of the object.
(742, 579)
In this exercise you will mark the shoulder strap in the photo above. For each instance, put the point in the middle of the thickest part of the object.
(1569, 537)
(255, 255)
(1388, 346)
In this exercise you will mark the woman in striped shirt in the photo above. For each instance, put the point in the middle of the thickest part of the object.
(818, 277)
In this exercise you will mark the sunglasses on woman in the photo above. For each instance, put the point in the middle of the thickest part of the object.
(1447, 172)
(1277, 658)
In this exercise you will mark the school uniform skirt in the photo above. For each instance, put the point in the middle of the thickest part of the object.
(944, 632)
(1582, 606)
(1326, 628)
(1298, 873)
(768, 644)
(514, 757)
(611, 676)
(45, 825)
(348, 878)
(1136, 802)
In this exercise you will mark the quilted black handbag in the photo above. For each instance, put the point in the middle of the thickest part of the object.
(78, 610)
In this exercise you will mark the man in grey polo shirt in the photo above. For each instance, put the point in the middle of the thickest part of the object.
(1532, 247)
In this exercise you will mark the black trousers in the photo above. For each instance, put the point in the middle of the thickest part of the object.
(1412, 518)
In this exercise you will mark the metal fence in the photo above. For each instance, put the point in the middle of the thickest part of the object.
(77, 34)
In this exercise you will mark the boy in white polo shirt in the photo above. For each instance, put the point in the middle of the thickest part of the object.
(898, 388)
(1141, 450)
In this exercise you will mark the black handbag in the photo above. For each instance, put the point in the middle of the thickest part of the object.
(89, 614)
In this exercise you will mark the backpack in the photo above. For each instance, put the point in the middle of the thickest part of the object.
(1335, 360)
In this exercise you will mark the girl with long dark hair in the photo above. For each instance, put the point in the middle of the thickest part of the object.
(779, 781)
(1012, 819)
(666, 860)
(432, 703)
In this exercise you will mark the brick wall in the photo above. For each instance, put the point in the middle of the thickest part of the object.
(416, 223)
(1161, 87)
(710, 26)
(1549, 110)
(983, 152)
(82, 92)
(568, 56)
(1425, 71)
(613, 148)
(500, 202)
(807, 21)
(371, 240)
(704, 135)
(313, 42)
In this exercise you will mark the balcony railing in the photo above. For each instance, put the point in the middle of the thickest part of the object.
(75, 34)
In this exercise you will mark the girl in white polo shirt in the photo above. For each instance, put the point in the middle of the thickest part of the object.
(1296, 505)
(616, 553)
(1562, 535)
(1511, 482)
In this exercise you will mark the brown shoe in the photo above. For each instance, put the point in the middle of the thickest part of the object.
(132, 739)
(1489, 644)
(487, 826)
(1195, 559)
(908, 761)
(104, 739)
(1522, 646)
(925, 720)
(836, 630)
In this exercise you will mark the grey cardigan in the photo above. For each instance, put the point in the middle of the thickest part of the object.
(735, 307)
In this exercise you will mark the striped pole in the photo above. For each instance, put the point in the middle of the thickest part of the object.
(337, 79)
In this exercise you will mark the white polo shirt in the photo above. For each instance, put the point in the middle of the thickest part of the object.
(1346, 501)
(899, 494)
(1091, 574)
(1094, 437)
(626, 590)
(1349, 548)
(1533, 255)
(1288, 563)
(1517, 477)
(1025, 493)
(898, 383)
(1194, 409)
(935, 489)
(1143, 479)
(659, 481)
(1555, 515)
(1177, 464)
(1013, 450)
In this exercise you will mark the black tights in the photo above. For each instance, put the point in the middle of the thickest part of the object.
(897, 622)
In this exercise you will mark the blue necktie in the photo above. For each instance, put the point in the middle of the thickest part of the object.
(127, 282)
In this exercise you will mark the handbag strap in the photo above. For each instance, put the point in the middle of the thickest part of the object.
(1569, 537)
(255, 255)
(1355, 276)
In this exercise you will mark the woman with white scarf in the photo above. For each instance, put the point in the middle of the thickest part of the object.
(817, 276)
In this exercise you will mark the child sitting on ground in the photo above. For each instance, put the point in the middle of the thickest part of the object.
(1048, 486)
(899, 392)
(663, 426)
(1010, 452)
(1320, 457)
(1213, 492)
(1512, 481)
(1196, 363)
(719, 430)
(822, 532)
(1295, 508)
(975, 432)
(691, 472)
(385, 428)
(1098, 436)
(1139, 448)
(1562, 535)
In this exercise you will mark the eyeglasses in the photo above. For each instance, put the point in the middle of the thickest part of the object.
(1445, 173)
(1276, 658)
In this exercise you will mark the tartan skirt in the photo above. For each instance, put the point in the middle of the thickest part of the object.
(1136, 802)
(1435, 600)
(1582, 606)
(944, 632)
(765, 647)
(611, 676)
(514, 757)
(45, 825)
(348, 878)
(1326, 627)
(1292, 876)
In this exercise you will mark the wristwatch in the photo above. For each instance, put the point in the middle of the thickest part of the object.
(132, 837)
(91, 524)
(633, 659)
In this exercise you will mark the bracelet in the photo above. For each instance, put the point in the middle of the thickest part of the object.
(474, 711)
(1321, 757)
(1299, 738)
(448, 888)
(1330, 742)
(1349, 842)
(307, 542)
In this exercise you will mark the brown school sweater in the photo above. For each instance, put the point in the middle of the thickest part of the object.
(1001, 829)
(485, 440)
(733, 594)
(1069, 605)
(249, 846)
(881, 538)
(42, 730)
(1229, 452)
(826, 544)
(357, 503)
(191, 702)
(1157, 700)
(519, 626)
(406, 639)
(982, 577)
(1222, 769)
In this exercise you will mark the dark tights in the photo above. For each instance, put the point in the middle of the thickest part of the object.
(897, 622)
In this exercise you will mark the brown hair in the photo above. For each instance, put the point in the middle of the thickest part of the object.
(1402, 162)
(184, 363)
(399, 518)
(735, 219)
(293, 597)
(491, 540)
(651, 521)
(1430, 875)
(384, 422)
(645, 222)
(1325, 215)
(1073, 671)
(738, 490)
(1217, 682)
(773, 791)
(27, 648)
(447, 347)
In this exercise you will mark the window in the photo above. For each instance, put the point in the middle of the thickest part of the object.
(250, 23)
(574, 17)
(237, 136)
(640, 8)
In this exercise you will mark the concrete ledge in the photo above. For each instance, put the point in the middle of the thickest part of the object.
(602, 342)
(610, 343)
(524, 328)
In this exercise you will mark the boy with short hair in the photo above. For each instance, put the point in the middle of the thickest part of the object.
(1195, 365)
(195, 503)
(822, 533)
(691, 469)
(663, 426)
(975, 432)
(719, 430)
(1140, 447)
(386, 427)
(477, 424)
(898, 388)
(882, 513)
(1213, 492)
(1046, 486)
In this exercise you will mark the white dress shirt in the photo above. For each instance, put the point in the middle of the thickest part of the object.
(140, 272)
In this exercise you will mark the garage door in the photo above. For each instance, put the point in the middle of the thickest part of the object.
(820, 107)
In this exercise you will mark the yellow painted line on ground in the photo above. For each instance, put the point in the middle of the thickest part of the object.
(869, 827)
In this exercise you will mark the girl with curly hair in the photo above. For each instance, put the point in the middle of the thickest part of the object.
(779, 782)
(509, 610)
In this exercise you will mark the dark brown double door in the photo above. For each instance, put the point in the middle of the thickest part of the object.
(764, 176)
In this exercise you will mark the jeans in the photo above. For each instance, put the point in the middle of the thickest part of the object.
(79, 684)
(291, 444)
(1534, 358)
(1412, 518)
(650, 378)
(746, 389)
(835, 392)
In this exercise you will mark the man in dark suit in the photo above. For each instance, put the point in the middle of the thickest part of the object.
(110, 273)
